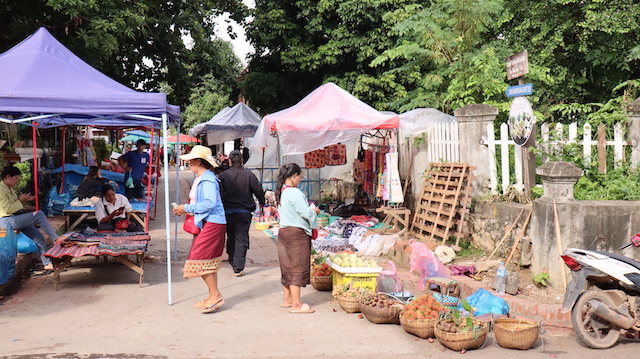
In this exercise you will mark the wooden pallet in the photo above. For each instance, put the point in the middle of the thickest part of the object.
(443, 202)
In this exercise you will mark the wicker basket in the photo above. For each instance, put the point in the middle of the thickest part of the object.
(386, 315)
(472, 339)
(321, 283)
(349, 304)
(513, 333)
(423, 328)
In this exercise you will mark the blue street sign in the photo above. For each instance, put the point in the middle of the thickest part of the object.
(520, 90)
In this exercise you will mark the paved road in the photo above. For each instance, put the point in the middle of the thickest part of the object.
(100, 312)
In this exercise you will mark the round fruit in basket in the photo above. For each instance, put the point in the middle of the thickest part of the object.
(420, 315)
(424, 307)
(320, 270)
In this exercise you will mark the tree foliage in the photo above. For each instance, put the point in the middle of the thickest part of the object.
(302, 44)
(207, 99)
(138, 43)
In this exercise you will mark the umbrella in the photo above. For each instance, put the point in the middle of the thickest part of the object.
(134, 138)
(183, 139)
(138, 133)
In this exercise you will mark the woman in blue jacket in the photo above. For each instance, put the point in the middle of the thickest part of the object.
(205, 256)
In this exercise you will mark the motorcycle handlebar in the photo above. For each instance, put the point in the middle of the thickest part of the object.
(627, 245)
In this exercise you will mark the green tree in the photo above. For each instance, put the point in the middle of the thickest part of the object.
(138, 43)
(207, 99)
(302, 44)
(588, 45)
(445, 56)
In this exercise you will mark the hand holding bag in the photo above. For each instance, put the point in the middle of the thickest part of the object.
(190, 224)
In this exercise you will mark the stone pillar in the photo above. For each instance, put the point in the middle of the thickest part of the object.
(472, 124)
(634, 132)
(558, 179)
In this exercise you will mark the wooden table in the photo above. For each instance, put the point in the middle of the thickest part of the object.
(118, 246)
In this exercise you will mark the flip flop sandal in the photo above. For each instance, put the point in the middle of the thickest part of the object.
(304, 309)
(212, 307)
(285, 305)
(201, 304)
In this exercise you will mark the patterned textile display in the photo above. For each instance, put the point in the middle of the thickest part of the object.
(358, 171)
(393, 179)
(336, 155)
(315, 159)
(113, 244)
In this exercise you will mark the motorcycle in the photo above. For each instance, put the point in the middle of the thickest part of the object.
(611, 300)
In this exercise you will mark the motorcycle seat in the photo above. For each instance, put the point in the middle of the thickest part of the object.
(621, 258)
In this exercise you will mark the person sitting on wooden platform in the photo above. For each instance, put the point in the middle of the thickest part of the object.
(113, 212)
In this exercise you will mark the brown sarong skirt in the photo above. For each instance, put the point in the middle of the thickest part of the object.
(294, 255)
(205, 256)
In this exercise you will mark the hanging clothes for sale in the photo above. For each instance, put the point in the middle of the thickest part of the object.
(336, 155)
(358, 171)
(315, 159)
(393, 178)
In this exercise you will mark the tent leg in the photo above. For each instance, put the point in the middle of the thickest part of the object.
(35, 166)
(166, 210)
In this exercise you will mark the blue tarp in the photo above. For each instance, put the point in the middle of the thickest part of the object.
(41, 76)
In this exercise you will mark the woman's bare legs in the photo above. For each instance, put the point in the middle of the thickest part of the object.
(287, 297)
(211, 280)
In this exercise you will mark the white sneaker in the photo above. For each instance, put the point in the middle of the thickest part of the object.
(239, 274)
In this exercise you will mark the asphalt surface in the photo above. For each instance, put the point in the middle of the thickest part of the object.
(99, 311)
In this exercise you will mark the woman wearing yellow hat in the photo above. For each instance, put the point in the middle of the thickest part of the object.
(205, 256)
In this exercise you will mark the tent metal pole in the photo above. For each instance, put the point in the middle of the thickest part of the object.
(177, 164)
(35, 166)
(149, 180)
(262, 167)
(166, 209)
(64, 151)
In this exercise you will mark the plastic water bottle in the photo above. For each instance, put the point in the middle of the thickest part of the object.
(501, 279)
(50, 208)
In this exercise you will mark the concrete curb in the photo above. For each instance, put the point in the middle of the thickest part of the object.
(549, 315)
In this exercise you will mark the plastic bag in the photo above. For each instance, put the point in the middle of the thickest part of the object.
(423, 260)
(129, 182)
(388, 280)
(8, 253)
(484, 302)
(26, 245)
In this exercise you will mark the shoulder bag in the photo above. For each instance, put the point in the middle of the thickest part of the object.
(189, 225)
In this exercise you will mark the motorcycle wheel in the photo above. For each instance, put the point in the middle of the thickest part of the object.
(593, 331)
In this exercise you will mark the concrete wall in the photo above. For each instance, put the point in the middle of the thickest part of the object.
(594, 225)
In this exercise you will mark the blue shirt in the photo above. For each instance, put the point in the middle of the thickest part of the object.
(138, 163)
(208, 206)
(294, 210)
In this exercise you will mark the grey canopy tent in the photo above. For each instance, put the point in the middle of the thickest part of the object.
(229, 124)
(44, 85)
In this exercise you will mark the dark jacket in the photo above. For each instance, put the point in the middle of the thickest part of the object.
(91, 187)
(238, 186)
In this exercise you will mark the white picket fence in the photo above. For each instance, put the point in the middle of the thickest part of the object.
(550, 144)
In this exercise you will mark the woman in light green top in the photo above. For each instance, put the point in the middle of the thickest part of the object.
(297, 220)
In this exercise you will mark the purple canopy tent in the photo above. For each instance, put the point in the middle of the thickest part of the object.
(45, 85)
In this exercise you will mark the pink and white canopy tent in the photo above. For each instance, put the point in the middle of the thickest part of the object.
(326, 116)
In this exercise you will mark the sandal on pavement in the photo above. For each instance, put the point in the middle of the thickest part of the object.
(201, 304)
(210, 307)
(284, 305)
(304, 309)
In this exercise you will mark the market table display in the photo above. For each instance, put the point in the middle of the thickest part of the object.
(87, 212)
(118, 245)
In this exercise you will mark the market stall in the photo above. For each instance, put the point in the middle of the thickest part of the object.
(45, 85)
(229, 124)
